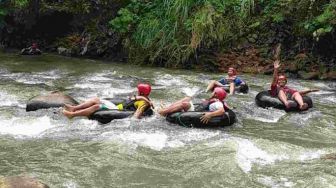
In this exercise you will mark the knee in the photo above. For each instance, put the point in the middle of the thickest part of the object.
(95, 100)
(212, 82)
(96, 107)
(185, 106)
(296, 94)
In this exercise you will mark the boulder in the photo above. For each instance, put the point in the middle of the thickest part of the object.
(21, 182)
(308, 75)
(55, 99)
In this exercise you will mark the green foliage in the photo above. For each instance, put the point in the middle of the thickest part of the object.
(6, 6)
(172, 31)
(323, 23)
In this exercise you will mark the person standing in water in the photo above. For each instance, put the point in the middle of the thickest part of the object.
(231, 80)
(87, 108)
(280, 90)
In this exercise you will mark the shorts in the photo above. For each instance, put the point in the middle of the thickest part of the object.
(107, 105)
(192, 107)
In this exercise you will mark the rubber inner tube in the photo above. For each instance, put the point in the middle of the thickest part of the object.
(265, 100)
(106, 116)
(243, 88)
(192, 119)
(27, 52)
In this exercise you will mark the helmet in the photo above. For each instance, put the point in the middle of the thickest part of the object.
(144, 89)
(34, 45)
(220, 93)
(233, 70)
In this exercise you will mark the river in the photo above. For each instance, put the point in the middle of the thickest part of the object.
(265, 148)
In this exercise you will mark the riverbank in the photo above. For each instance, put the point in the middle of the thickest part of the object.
(247, 60)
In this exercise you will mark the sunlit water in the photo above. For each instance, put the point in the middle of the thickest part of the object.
(265, 148)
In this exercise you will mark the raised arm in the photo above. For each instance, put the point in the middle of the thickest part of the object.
(275, 73)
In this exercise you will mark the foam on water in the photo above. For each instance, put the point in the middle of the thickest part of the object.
(248, 154)
(70, 184)
(309, 155)
(23, 127)
(190, 92)
(270, 115)
(8, 100)
(155, 141)
(169, 80)
(36, 77)
(270, 182)
(303, 118)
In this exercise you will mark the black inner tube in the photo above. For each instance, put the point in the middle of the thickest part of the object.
(192, 119)
(265, 100)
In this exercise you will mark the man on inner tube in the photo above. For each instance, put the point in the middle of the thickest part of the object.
(279, 88)
(215, 105)
(87, 108)
(231, 79)
(32, 50)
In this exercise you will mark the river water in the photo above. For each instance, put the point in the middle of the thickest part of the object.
(265, 148)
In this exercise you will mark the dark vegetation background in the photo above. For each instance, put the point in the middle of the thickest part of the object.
(202, 34)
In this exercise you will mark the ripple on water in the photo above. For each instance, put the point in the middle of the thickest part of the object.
(36, 77)
(9, 100)
(268, 115)
(25, 127)
(169, 80)
(303, 119)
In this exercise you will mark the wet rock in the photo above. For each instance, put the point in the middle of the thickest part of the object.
(308, 75)
(55, 99)
(331, 156)
(64, 51)
(329, 75)
(21, 182)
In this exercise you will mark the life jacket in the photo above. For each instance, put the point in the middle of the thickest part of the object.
(128, 104)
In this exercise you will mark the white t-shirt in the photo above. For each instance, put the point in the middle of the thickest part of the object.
(215, 106)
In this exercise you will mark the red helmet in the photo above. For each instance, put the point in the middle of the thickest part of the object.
(220, 93)
(34, 45)
(144, 89)
(233, 70)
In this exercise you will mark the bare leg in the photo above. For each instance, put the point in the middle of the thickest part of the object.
(232, 88)
(283, 98)
(84, 105)
(83, 112)
(298, 98)
(181, 105)
(211, 85)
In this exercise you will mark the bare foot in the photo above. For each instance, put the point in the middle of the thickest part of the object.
(304, 106)
(287, 105)
(69, 108)
(67, 114)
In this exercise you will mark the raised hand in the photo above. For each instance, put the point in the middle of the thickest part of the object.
(277, 64)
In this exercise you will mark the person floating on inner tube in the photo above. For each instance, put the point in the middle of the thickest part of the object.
(279, 89)
(32, 50)
(87, 108)
(231, 80)
(215, 106)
